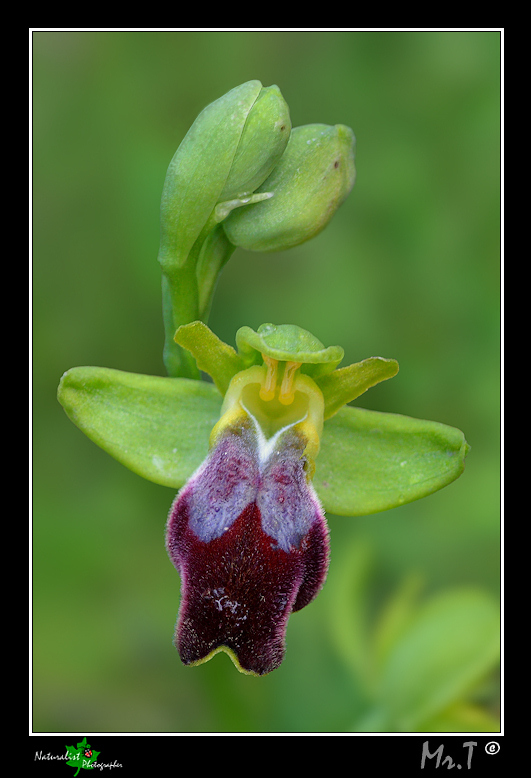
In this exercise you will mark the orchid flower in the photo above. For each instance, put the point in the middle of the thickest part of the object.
(264, 450)
(260, 454)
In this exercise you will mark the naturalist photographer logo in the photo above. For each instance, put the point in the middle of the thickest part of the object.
(81, 757)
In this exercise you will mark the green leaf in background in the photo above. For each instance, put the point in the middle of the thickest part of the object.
(347, 622)
(395, 618)
(451, 644)
(419, 666)
(157, 427)
(371, 461)
(461, 717)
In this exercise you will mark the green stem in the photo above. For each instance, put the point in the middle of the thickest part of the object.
(187, 294)
(180, 304)
(215, 253)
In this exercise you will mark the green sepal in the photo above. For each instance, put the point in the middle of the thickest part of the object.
(371, 461)
(157, 427)
(287, 343)
(212, 355)
(347, 383)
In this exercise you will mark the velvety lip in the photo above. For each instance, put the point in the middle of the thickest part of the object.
(241, 582)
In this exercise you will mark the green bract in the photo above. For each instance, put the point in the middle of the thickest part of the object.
(160, 427)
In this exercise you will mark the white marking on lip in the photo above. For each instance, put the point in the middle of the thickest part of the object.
(266, 446)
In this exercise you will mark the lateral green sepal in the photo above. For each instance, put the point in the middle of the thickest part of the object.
(157, 427)
(371, 461)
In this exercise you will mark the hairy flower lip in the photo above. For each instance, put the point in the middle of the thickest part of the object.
(250, 541)
(239, 590)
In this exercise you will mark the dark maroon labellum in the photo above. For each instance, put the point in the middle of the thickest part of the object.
(250, 541)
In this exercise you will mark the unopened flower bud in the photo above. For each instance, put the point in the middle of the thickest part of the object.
(230, 149)
(263, 141)
(311, 180)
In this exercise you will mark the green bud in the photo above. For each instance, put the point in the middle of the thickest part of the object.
(311, 180)
(263, 141)
(230, 149)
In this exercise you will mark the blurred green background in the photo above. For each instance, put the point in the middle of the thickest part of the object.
(409, 268)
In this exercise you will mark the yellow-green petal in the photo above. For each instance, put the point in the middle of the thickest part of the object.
(347, 383)
(212, 355)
